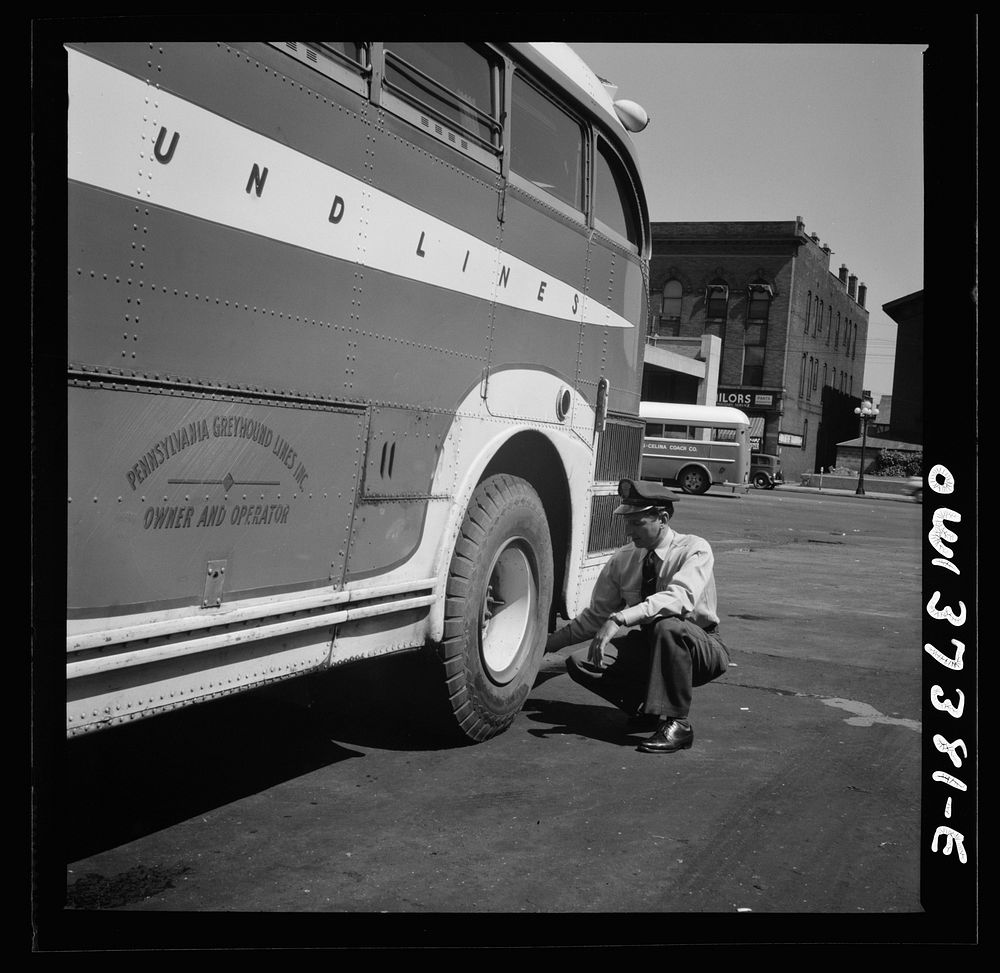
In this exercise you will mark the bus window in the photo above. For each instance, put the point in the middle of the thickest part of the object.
(614, 203)
(347, 62)
(654, 429)
(456, 84)
(352, 50)
(546, 145)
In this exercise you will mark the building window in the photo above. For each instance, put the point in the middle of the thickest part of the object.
(716, 301)
(670, 302)
(759, 302)
(815, 375)
(819, 318)
(805, 432)
(753, 365)
(802, 376)
(854, 349)
(546, 144)
(809, 382)
(815, 312)
(836, 340)
(824, 376)
(754, 344)
(809, 299)
(829, 323)
(851, 392)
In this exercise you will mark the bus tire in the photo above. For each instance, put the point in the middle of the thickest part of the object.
(693, 479)
(497, 603)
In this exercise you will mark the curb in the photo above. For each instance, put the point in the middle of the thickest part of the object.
(868, 494)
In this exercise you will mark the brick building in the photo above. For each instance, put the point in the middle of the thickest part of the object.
(791, 333)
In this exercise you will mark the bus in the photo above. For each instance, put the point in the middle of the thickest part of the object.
(695, 446)
(355, 339)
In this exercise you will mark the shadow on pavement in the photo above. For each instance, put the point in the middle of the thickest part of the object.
(595, 721)
(131, 781)
(121, 784)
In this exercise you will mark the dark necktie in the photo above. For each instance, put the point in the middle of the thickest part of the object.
(650, 572)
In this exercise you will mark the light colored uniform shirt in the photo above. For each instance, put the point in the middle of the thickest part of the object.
(685, 588)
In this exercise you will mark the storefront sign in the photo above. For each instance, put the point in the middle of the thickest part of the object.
(748, 398)
(789, 439)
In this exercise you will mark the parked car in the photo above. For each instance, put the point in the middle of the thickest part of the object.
(915, 488)
(765, 471)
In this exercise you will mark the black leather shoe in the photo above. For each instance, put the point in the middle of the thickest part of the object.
(669, 736)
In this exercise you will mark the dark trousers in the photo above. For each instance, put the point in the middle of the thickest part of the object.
(654, 667)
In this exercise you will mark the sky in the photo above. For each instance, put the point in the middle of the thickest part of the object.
(829, 132)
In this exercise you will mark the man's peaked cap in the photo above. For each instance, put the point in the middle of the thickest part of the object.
(639, 496)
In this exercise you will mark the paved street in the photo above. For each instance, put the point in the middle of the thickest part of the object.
(800, 795)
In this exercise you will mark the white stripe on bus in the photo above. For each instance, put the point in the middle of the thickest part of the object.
(131, 138)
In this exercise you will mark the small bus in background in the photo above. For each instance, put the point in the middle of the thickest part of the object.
(695, 446)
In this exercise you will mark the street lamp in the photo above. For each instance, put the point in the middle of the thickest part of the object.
(865, 413)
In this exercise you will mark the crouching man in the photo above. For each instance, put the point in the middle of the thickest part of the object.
(660, 586)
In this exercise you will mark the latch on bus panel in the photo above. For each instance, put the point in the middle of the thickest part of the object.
(214, 580)
(601, 409)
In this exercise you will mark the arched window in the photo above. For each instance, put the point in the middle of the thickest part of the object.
(836, 340)
(716, 301)
(670, 303)
(824, 376)
(809, 298)
(759, 298)
(802, 376)
(755, 333)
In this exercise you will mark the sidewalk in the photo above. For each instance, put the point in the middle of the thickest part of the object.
(868, 494)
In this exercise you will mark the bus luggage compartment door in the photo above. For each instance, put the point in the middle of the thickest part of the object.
(161, 483)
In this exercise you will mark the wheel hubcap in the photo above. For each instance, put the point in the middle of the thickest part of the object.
(508, 611)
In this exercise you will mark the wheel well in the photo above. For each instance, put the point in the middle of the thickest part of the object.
(694, 466)
(530, 456)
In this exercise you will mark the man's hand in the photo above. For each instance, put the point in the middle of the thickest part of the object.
(606, 633)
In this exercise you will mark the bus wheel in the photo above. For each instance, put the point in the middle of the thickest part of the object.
(497, 606)
(693, 480)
